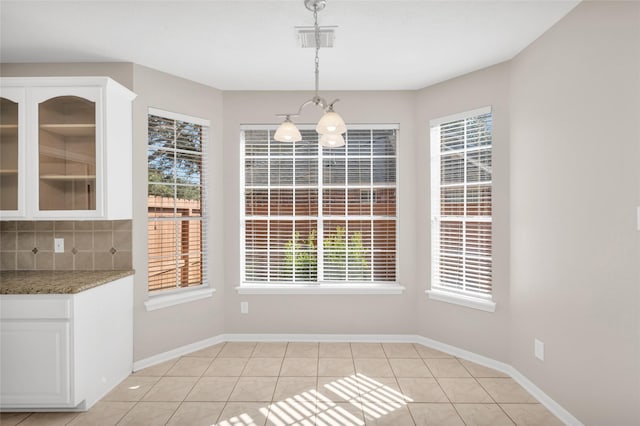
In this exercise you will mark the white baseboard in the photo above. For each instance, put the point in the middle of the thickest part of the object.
(555, 408)
(545, 399)
(464, 354)
(174, 353)
(360, 338)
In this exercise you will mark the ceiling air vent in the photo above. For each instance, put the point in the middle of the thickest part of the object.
(307, 36)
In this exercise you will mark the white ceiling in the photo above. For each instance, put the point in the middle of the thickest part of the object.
(251, 45)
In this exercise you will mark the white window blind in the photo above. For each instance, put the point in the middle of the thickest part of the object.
(313, 214)
(176, 198)
(461, 203)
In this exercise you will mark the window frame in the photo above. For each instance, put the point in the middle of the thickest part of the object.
(162, 298)
(460, 296)
(319, 286)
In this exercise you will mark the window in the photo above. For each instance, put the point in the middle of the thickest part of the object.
(461, 209)
(176, 215)
(314, 215)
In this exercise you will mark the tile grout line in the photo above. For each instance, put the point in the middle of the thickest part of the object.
(191, 389)
(136, 403)
(395, 376)
(225, 403)
(316, 410)
(495, 402)
(127, 413)
(445, 394)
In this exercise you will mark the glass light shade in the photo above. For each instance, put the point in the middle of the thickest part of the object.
(287, 132)
(330, 124)
(332, 140)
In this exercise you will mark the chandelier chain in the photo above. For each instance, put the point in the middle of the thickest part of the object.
(317, 58)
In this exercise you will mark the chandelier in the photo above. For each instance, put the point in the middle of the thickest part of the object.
(331, 126)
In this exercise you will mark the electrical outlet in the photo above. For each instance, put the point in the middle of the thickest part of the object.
(538, 349)
(244, 307)
(58, 245)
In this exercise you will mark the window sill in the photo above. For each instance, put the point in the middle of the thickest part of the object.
(177, 297)
(320, 289)
(486, 305)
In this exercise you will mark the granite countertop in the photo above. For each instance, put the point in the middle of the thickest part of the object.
(56, 282)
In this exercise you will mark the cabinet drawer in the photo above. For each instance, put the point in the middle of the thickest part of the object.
(35, 306)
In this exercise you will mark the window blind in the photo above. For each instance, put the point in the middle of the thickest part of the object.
(176, 201)
(313, 214)
(461, 203)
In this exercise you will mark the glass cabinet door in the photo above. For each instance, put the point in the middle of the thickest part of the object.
(67, 153)
(8, 154)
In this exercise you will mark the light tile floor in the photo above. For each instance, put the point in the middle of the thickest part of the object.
(277, 384)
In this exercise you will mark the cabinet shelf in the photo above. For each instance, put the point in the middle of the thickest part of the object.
(8, 171)
(70, 129)
(68, 177)
(8, 129)
(66, 155)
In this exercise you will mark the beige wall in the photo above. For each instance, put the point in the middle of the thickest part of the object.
(471, 329)
(575, 145)
(321, 314)
(165, 329)
(122, 72)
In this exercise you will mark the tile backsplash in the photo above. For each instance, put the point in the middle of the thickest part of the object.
(88, 245)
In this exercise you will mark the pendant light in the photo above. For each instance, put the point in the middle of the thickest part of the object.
(288, 132)
(331, 123)
(331, 126)
(330, 140)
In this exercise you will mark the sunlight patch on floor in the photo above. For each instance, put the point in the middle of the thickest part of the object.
(365, 395)
(240, 420)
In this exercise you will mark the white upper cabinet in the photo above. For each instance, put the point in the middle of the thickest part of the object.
(67, 155)
(12, 152)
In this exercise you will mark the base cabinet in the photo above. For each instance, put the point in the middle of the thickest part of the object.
(35, 363)
(65, 351)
